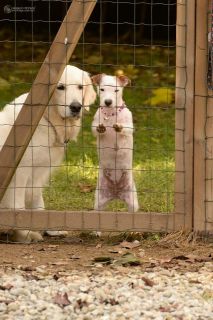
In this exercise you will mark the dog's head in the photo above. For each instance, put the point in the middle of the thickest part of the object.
(73, 93)
(110, 89)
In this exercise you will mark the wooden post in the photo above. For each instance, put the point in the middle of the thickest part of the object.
(204, 220)
(185, 57)
(200, 116)
(42, 89)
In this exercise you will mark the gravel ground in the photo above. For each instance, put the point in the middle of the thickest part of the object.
(107, 294)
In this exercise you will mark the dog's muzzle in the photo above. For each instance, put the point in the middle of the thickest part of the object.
(75, 108)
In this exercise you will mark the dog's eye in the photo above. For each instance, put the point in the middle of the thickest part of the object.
(116, 90)
(80, 87)
(102, 89)
(61, 86)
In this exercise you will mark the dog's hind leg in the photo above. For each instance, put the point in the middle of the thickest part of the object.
(26, 236)
(100, 203)
(36, 182)
(101, 199)
(34, 197)
(131, 198)
(14, 197)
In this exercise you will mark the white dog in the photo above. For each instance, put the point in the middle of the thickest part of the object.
(113, 127)
(60, 123)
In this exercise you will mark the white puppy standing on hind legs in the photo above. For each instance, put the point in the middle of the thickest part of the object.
(113, 127)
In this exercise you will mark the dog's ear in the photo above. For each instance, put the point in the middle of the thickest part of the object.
(124, 80)
(90, 94)
(96, 79)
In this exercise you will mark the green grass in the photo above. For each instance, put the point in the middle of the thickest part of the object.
(73, 184)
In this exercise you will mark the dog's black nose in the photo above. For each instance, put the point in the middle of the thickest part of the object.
(108, 102)
(75, 107)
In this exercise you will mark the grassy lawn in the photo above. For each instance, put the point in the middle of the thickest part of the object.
(151, 99)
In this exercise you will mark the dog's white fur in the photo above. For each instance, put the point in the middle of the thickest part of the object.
(113, 127)
(46, 149)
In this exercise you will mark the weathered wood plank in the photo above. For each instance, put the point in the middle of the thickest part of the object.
(185, 55)
(42, 89)
(87, 220)
(200, 116)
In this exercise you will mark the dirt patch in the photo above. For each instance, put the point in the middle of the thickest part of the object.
(79, 252)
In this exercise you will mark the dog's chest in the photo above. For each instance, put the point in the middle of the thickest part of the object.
(110, 120)
(113, 141)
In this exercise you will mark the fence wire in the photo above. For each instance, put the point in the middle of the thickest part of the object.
(208, 129)
(109, 160)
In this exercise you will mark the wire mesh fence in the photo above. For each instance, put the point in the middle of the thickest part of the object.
(139, 148)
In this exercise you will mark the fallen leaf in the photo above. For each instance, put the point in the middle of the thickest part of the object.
(53, 247)
(30, 276)
(103, 259)
(56, 276)
(141, 253)
(165, 260)
(165, 309)
(80, 304)
(148, 282)
(6, 287)
(62, 300)
(207, 294)
(113, 251)
(130, 245)
(84, 188)
(28, 268)
(194, 281)
(59, 263)
(6, 301)
(73, 257)
(200, 259)
(181, 257)
(128, 259)
(111, 301)
(193, 258)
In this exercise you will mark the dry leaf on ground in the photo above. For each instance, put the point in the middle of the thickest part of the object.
(73, 257)
(6, 301)
(130, 245)
(62, 300)
(193, 258)
(103, 259)
(6, 287)
(84, 188)
(128, 259)
(148, 282)
(80, 304)
(27, 268)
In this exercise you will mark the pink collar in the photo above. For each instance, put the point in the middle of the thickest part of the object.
(108, 115)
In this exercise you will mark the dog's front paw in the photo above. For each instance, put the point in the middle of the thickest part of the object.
(26, 236)
(101, 128)
(61, 234)
(118, 127)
